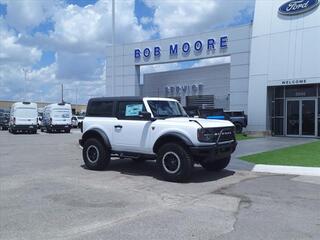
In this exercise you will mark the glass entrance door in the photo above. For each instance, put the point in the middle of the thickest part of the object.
(301, 117)
(293, 117)
(308, 117)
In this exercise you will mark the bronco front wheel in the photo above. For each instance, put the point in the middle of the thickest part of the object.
(217, 165)
(175, 162)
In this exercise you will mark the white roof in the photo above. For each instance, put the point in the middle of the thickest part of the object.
(30, 104)
(58, 105)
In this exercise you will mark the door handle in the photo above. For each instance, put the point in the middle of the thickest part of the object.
(117, 126)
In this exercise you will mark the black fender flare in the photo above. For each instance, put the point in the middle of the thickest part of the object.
(96, 132)
(171, 136)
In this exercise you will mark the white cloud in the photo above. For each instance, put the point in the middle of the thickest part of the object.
(212, 61)
(81, 35)
(44, 85)
(180, 17)
(157, 68)
(88, 29)
(146, 20)
(11, 51)
(26, 14)
(75, 67)
(79, 38)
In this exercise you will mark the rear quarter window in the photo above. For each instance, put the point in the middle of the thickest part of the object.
(100, 109)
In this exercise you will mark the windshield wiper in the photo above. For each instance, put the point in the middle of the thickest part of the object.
(173, 116)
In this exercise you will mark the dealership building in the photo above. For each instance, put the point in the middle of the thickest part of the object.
(272, 72)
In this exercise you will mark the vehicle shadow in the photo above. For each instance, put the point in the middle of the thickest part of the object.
(150, 169)
(24, 133)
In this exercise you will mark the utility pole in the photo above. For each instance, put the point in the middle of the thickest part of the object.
(25, 83)
(62, 93)
(76, 96)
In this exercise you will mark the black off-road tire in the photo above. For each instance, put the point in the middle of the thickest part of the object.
(67, 131)
(103, 155)
(239, 127)
(217, 165)
(180, 172)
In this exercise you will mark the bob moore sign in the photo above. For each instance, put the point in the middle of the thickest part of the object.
(295, 7)
(179, 90)
(210, 44)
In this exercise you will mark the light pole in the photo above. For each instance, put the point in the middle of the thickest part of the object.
(113, 52)
(113, 40)
(62, 101)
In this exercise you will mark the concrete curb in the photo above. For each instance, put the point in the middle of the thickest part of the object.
(307, 171)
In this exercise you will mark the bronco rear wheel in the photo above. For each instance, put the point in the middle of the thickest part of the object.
(175, 162)
(95, 154)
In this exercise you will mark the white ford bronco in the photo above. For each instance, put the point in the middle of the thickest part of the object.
(154, 129)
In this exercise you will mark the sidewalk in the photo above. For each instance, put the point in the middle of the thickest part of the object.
(294, 170)
(258, 145)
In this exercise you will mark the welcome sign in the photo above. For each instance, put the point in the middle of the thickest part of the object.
(295, 7)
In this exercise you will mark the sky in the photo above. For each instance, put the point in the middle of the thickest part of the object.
(54, 42)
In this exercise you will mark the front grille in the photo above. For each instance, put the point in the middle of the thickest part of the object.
(226, 135)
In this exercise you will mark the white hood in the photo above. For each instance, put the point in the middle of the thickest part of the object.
(206, 123)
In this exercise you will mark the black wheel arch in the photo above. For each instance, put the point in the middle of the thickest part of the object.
(98, 134)
(171, 137)
(238, 123)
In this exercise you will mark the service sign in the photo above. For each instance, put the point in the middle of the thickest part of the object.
(295, 7)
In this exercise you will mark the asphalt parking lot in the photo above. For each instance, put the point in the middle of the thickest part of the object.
(47, 193)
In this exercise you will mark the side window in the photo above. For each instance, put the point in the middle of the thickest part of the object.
(130, 110)
(100, 109)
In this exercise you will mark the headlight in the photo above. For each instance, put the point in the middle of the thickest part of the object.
(204, 135)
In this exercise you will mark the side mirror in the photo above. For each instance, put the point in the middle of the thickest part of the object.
(145, 115)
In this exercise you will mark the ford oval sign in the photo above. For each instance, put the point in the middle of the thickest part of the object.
(294, 7)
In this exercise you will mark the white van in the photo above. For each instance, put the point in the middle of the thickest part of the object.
(23, 117)
(57, 117)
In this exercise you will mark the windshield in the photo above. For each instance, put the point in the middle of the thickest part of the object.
(166, 109)
(61, 113)
(26, 112)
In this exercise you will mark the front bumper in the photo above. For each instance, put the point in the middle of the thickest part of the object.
(214, 152)
(23, 127)
(60, 127)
